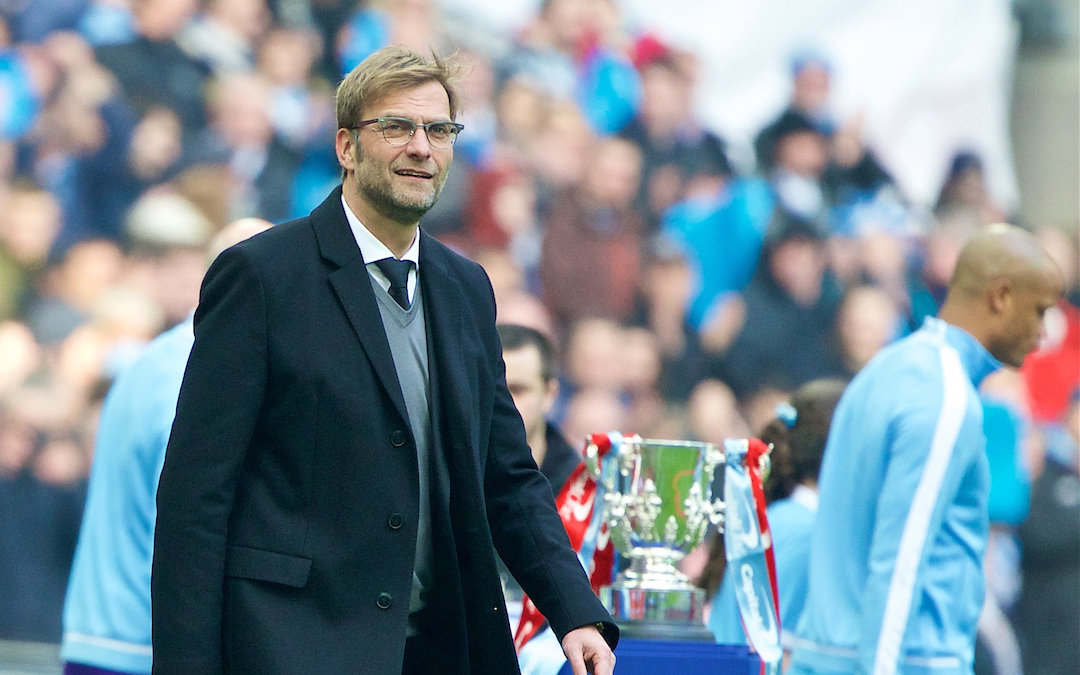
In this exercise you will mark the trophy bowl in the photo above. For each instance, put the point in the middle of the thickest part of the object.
(658, 505)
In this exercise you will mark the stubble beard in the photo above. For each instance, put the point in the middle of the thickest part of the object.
(378, 190)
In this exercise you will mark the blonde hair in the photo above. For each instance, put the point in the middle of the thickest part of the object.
(389, 70)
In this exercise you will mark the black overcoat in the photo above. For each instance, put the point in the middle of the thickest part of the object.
(287, 508)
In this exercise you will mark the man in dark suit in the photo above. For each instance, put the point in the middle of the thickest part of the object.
(346, 457)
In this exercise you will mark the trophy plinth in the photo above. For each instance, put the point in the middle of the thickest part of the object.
(658, 505)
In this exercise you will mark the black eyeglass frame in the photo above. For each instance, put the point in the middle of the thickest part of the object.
(410, 124)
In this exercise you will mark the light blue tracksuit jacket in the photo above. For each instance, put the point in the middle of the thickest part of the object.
(896, 579)
(107, 607)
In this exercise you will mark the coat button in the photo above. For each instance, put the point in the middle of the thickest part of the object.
(384, 600)
(397, 438)
(396, 521)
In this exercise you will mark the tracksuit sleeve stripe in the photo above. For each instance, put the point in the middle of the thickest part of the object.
(902, 583)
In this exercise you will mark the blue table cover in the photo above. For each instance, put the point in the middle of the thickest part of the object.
(654, 657)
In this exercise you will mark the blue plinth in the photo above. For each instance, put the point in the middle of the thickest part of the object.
(655, 657)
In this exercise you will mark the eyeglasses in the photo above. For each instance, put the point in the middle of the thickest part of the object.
(398, 131)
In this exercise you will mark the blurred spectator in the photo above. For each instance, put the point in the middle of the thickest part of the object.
(241, 136)
(1062, 245)
(97, 155)
(71, 289)
(169, 236)
(820, 167)
(592, 356)
(82, 128)
(301, 109)
(640, 367)
(210, 188)
(721, 232)
(1048, 611)
(224, 34)
(965, 198)
(22, 355)
(326, 17)
(378, 23)
(594, 411)
(152, 69)
(801, 155)
(505, 276)
(502, 213)
(479, 116)
(591, 262)
(675, 146)
(667, 284)
(525, 310)
(785, 340)
(34, 21)
(29, 223)
(811, 76)
(861, 194)
(301, 112)
(935, 268)
(41, 496)
(713, 413)
(866, 321)
(759, 408)
(521, 109)
(883, 258)
(156, 144)
(559, 146)
(25, 77)
(577, 50)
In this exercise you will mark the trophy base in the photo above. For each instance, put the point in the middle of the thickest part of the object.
(668, 632)
(657, 614)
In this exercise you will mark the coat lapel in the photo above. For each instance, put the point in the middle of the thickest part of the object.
(352, 284)
(443, 310)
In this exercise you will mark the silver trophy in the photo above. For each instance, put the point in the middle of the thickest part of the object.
(658, 505)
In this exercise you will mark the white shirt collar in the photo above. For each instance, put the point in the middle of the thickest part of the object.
(373, 250)
(370, 247)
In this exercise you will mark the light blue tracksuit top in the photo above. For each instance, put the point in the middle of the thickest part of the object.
(107, 607)
(896, 578)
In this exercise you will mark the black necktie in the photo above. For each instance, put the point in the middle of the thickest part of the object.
(397, 271)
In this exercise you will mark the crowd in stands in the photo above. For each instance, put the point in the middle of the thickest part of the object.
(687, 295)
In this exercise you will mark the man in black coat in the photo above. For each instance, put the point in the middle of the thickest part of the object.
(346, 457)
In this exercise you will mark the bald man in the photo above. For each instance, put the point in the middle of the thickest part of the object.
(896, 578)
(107, 607)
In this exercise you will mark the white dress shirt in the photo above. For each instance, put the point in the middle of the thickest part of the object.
(372, 249)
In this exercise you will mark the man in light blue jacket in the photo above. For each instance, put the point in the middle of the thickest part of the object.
(107, 606)
(896, 578)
